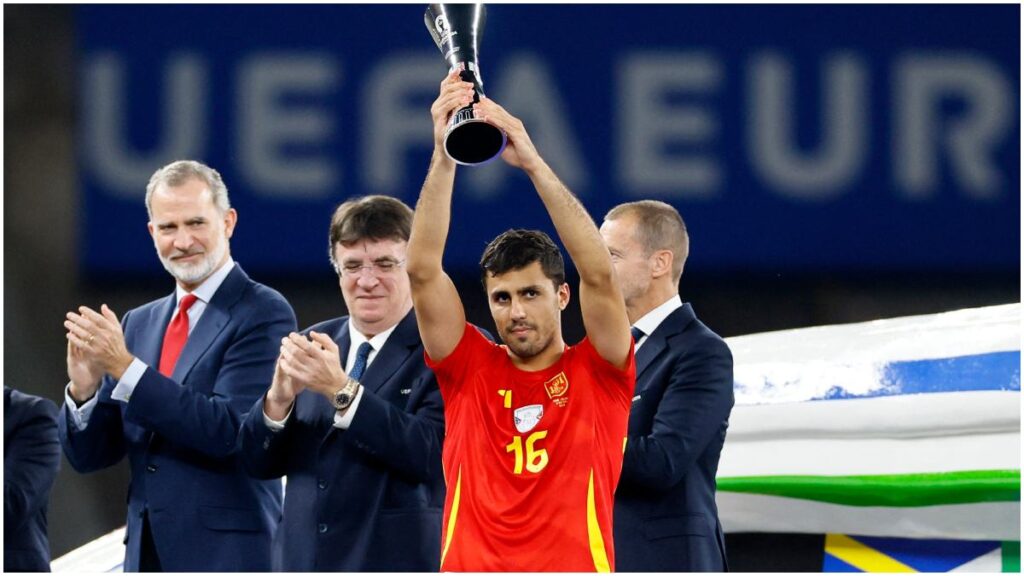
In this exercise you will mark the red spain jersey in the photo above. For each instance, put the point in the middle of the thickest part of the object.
(531, 459)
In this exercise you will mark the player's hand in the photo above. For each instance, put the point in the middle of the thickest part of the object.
(455, 94)
(519, 151)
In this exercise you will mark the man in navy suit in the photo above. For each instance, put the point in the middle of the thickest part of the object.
(666, 519)
(31, 460)
(354, 417)
(169, 385)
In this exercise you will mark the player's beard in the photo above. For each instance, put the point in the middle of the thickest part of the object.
(529, 348)
(195, 273)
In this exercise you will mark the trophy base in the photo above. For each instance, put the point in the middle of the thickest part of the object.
(473, 142)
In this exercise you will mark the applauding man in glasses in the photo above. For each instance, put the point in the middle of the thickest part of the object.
(354, 417)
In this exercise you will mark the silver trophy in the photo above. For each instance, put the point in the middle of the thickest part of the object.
(456, 29)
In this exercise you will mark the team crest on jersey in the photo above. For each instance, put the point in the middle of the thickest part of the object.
(528, 416)
(557, 388)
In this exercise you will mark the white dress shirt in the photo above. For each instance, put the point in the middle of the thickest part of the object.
(130, 379)
(649, 322)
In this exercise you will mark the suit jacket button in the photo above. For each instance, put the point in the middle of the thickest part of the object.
(151, 468)
(321, 528)
(321, 484)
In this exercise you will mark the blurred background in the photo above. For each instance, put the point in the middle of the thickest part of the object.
(834, 164)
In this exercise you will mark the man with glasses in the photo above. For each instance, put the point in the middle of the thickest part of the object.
(354, 418)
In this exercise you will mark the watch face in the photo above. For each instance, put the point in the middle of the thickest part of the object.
(342, 400)
(346, 395)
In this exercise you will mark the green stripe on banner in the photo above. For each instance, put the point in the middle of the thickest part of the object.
(1011, 556)
(896, 490)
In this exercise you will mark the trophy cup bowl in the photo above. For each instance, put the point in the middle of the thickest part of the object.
(456, 29)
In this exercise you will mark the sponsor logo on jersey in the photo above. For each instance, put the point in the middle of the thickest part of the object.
(527, 417)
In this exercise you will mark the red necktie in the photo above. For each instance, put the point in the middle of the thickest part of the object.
(176, 335)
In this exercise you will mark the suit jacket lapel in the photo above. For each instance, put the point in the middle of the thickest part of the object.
(387, 362)
(211, 323)
(657, 342)
(651, 349)
(394, 353)
(344, 341)
(151, 341)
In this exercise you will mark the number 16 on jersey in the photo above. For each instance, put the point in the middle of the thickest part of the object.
(534, 457)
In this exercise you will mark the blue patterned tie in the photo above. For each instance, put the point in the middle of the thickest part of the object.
(637, 334)
(360, 364)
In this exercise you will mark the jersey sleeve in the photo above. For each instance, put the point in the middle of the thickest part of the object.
(617, 384)
(455, 369)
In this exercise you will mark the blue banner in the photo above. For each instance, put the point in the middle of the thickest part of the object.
(972, 373)
(791, 138)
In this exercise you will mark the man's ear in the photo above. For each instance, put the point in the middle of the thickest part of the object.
(230, 219)
(661, 263)
(563, 296)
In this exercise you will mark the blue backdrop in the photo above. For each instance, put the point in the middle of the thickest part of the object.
(796, 138)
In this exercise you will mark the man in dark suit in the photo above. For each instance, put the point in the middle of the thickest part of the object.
(31, 460)
(169, 385)
(666, 519)
(361, 445)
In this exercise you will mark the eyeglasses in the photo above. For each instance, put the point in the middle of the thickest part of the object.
(379, 267)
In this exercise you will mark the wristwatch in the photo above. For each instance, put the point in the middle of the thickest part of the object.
(346, 394)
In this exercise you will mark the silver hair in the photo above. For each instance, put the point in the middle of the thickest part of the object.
(181, 171)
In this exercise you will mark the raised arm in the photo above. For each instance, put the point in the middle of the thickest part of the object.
(439, 311)
(601, 303)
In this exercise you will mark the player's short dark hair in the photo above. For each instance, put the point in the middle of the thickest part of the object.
(374, 217)
(516, 249)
